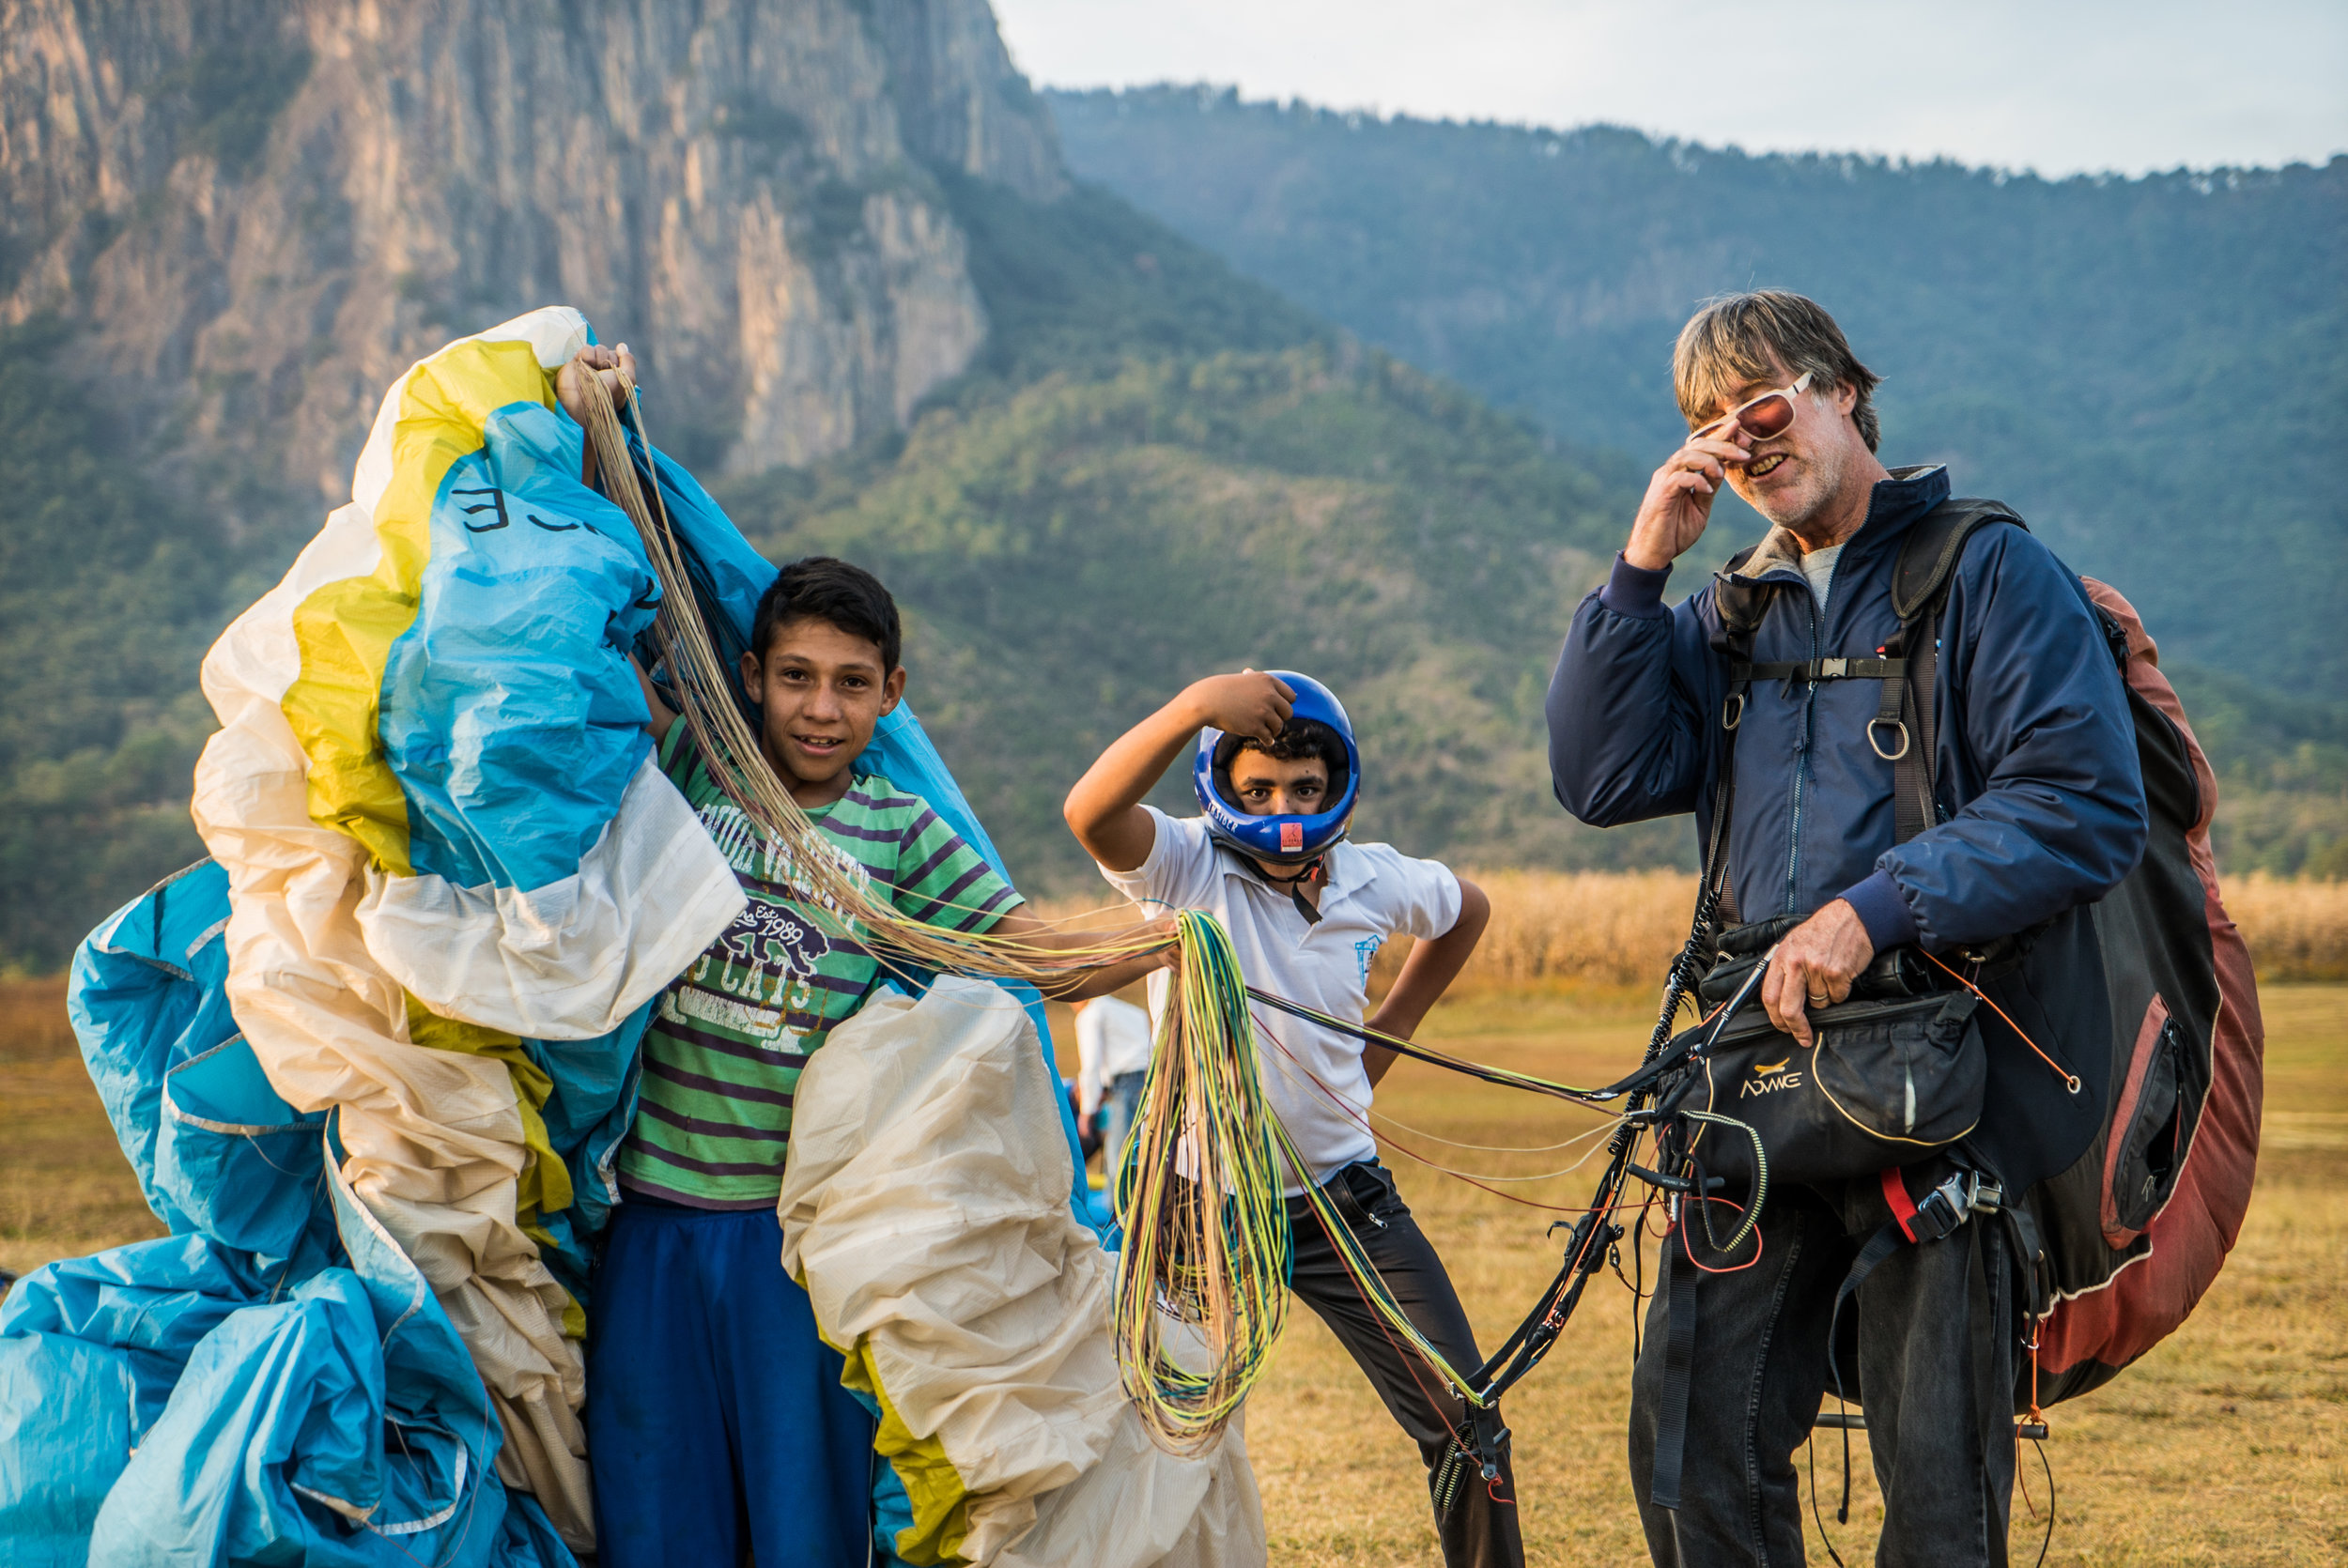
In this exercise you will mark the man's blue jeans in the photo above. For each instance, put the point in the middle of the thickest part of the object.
(1936, 1358)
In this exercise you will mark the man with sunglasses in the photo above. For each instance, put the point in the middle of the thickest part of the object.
(2040, 809)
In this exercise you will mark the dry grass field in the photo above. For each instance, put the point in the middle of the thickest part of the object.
(1621, 928)
(2229, 1444)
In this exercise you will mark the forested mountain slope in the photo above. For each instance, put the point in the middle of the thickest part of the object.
(1093, 460)
(1083, 530)
(2154, 371)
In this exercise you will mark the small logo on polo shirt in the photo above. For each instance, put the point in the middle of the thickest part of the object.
(1292, 837)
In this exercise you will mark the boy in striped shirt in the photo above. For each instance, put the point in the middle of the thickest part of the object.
(716, 1424)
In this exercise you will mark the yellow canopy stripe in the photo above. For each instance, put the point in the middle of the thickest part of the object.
(939, 1496)
(346, 629)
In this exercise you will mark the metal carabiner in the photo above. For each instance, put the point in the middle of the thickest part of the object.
(1874, 724)
(1733, 711)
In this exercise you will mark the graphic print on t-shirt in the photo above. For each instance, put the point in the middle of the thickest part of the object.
(728, 1038)
(759, 980)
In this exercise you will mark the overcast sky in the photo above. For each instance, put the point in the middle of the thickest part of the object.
(2055, 85)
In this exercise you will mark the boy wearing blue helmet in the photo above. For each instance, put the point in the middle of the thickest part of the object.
(1278, 774)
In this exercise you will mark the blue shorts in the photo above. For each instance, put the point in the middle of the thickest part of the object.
(715, 1421)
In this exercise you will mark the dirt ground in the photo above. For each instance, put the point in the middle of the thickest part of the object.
(2228, 1444)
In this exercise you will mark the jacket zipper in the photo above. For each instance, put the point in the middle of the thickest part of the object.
(1802, 764)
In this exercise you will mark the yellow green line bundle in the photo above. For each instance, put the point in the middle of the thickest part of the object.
(1202, 1278)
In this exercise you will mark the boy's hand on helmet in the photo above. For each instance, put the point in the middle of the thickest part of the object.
(1250, 703)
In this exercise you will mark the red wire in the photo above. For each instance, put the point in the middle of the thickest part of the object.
(1681, 1225)
(1409, 1358)
(2068, 1077)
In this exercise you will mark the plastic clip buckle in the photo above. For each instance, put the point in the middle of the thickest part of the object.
(1961, 1195)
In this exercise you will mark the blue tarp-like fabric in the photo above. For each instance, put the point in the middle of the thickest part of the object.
(271, 1383)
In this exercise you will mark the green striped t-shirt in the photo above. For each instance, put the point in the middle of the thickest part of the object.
(728, 1038)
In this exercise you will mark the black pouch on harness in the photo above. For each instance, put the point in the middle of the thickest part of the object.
(1898, 1072)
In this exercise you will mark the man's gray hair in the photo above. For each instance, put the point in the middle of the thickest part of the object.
(1741, 340)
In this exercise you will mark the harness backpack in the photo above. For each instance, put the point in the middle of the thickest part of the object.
(2120, 1244)
(2135, 1231)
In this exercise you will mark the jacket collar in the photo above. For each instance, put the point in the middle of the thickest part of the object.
(1892, 508)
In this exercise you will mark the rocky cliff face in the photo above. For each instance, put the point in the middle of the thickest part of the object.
(258, 214)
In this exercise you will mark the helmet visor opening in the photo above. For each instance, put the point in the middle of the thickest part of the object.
(1331, 755)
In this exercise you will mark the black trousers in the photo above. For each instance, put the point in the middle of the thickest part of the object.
(1476, 1522)
(1934, 1357)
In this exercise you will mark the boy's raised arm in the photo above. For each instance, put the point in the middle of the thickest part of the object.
(1104, 811)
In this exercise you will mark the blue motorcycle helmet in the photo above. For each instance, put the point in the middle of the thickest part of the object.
(1282, 841)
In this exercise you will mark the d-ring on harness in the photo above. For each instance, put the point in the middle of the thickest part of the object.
(1890, 718)
(1907, 664)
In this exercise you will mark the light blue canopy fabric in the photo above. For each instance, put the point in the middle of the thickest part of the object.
(272, 1382)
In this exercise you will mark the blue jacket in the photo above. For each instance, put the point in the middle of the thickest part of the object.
(2041, 800)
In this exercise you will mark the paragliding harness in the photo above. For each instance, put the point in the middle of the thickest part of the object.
(1897, 1071)
(1899, 1075)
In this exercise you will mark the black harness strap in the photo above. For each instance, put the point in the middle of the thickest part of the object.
(1820, 670)
(1679, 1366)
(1920, 592)
(1296, 886)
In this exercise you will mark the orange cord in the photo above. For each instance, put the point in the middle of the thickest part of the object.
(2070, 1079)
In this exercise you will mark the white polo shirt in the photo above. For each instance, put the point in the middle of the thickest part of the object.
(1373, 892)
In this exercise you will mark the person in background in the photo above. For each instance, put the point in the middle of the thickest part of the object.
(1112, 1060)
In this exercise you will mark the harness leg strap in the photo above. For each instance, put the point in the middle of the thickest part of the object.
(1679, 1359)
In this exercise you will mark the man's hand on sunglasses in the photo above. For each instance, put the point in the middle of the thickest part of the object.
(1679, 498)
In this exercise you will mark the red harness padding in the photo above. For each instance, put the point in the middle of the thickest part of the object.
(1895, 1193)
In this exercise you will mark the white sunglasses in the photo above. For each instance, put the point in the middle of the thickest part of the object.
(1770, 414)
